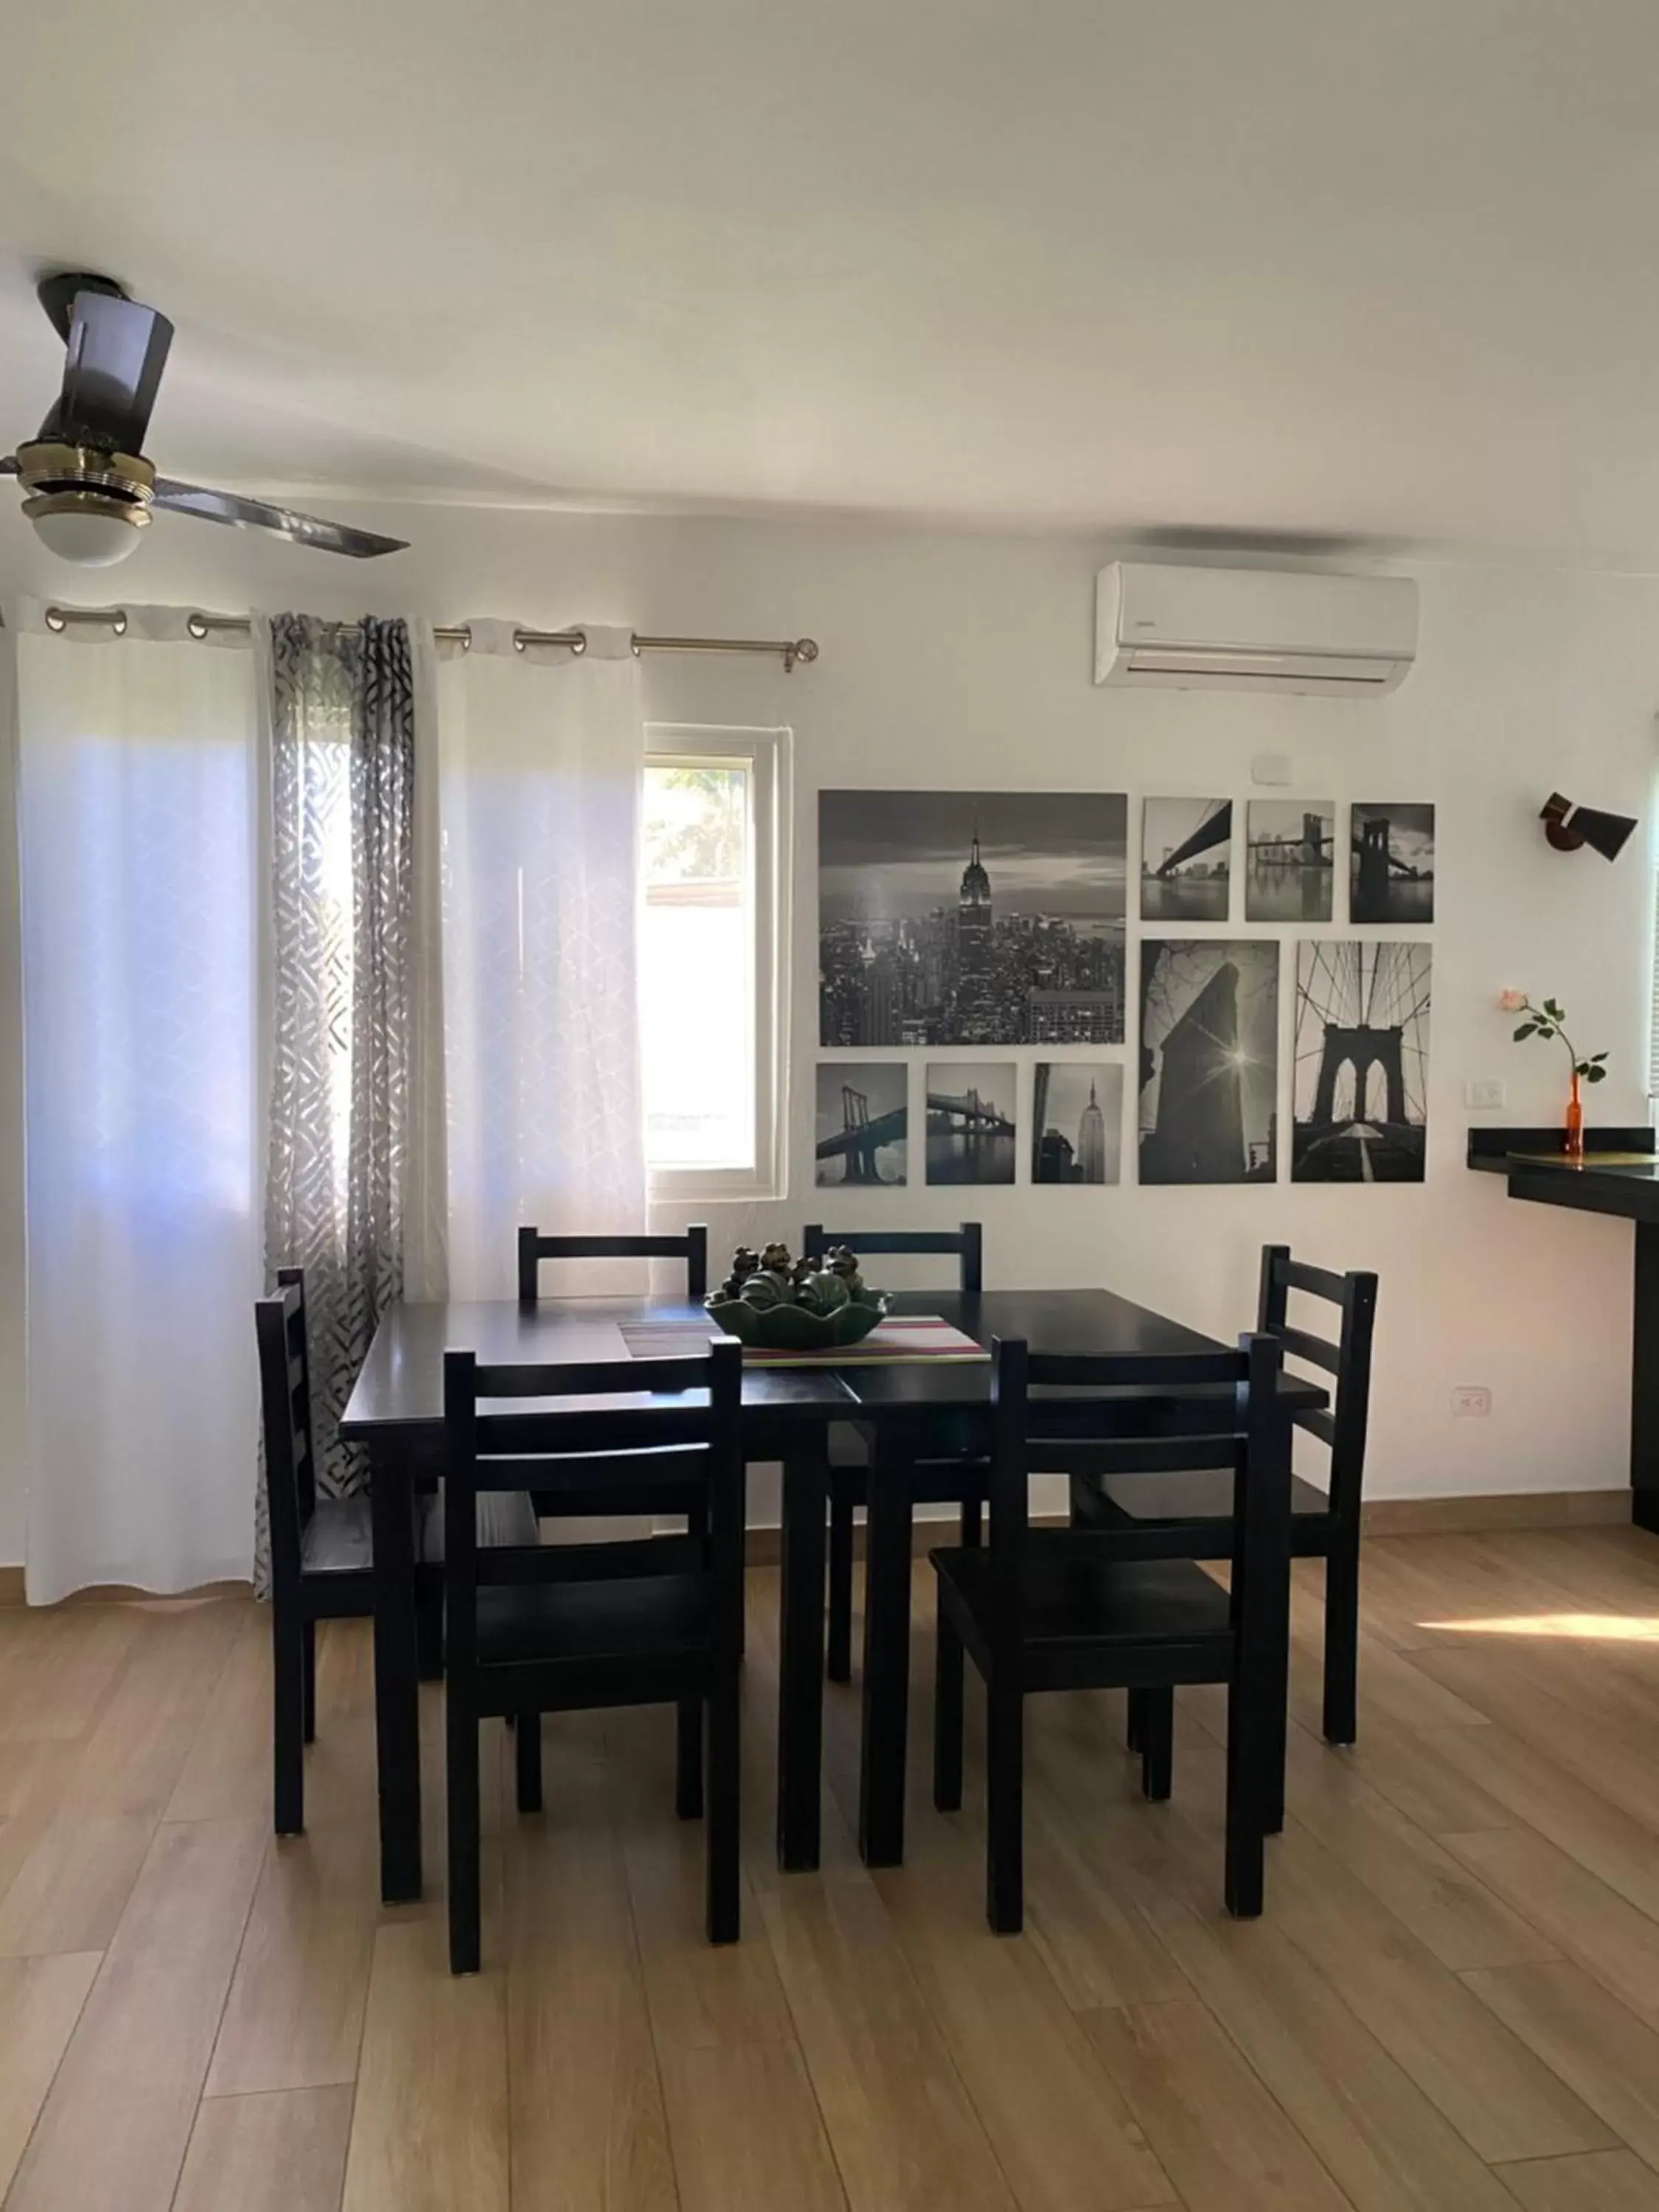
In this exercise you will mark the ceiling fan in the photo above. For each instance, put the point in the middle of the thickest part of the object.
(86, 487)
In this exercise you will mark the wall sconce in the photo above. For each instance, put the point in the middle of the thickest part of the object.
(1568, 827)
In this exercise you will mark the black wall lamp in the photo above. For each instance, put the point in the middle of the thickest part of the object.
(1568, 827)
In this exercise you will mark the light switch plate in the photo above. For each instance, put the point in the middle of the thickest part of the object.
(1484, 1093)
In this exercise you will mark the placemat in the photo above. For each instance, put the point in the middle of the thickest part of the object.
(920, 1337)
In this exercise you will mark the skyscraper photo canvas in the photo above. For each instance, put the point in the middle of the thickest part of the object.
(1209, 1060)
(953, 918)
(1076, 1121)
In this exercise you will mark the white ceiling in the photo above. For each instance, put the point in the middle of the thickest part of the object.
(1316, 272)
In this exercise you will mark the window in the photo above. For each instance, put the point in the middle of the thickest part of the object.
(715, 837)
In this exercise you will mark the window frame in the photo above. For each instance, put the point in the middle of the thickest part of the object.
(768, 753)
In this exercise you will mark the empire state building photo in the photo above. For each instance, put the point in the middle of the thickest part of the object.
(970, 918)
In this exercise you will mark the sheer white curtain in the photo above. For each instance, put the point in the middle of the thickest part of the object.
(542, 756)
(138, 818)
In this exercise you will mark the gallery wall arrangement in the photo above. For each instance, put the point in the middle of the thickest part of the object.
(961, 919)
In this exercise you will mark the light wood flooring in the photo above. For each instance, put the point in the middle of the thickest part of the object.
(1453, 2000)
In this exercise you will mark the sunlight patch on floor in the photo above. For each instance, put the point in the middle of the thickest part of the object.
(1587, 1627)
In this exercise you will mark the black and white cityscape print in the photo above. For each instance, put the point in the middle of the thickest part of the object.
(1077, 1120)
(862, 1131)
(1290, 859)
(1359, 1101)
(962, 918)
(1186, 860)
(1209, 1060)
(1391, 864)
(971, 1120)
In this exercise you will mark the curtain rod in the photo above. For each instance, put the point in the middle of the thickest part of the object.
(201, 626)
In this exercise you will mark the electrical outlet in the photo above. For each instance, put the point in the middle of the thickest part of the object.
(1472, 1401)
(1270, 767)
(1484, 1093)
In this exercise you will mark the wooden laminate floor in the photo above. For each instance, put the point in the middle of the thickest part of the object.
(1453, 2000)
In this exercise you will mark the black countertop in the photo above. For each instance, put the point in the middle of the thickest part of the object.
(1617, 1174)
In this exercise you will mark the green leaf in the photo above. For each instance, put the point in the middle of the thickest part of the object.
(1595, 1075)
(1526, 1029)
(1598, 1057)
(1553, 1010)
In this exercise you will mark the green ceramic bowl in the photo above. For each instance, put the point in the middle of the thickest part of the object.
(792, 1329)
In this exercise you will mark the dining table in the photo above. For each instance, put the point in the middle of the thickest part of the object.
(910, 1412)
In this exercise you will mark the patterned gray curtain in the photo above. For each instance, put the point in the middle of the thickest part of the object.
(342, 914)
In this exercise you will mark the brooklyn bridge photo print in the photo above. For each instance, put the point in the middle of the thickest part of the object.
(1360, 1097)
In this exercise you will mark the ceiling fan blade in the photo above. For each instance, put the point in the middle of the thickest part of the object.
(117, 351)
(239, 514)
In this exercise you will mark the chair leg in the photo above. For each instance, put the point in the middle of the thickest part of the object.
(429, 1628)
(1342, 1641)
(1156, 1742)
(527, 1761)
(1248, 1744)
(1004, 1793)
(1134, 1726)
(288, 1716)
(688, 1762)
(461, 1732)
(724, 1875)
(947, 1716)
(973, 1524)
(838, 1662)
(308, 1678)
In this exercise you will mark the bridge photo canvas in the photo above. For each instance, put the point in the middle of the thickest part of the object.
(863, 1124)
(971, 918)
(1209, 1060)
(971, 1121)
(1186, 860)
(1290, 859)
(1359, 1102)
(1077, 1120)
(1391, 863)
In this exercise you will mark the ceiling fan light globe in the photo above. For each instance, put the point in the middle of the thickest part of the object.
(89, 537)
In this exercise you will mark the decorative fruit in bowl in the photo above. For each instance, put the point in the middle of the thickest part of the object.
(779, 1304)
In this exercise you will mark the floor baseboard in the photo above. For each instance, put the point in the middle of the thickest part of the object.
(1384, 1517)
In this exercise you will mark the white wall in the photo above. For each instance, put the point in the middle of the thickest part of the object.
(958, 660)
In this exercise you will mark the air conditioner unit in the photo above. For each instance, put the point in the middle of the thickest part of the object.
(1254, 630)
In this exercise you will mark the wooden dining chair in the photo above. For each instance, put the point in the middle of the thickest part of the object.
(568, 1627)
(1121, 1608)
(322, 1549)
(691, 1246)
(939, 1482)
(1324, 1523)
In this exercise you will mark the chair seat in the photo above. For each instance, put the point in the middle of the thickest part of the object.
(1200, 1494)
(655, 1617)
(1073, 1595)
(338, 1539)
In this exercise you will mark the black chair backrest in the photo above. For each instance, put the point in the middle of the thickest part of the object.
(682, 1433)
(1349, 1359)
(692, 1246)
(966, 1242)
(1077, 1414)
(285, 1405)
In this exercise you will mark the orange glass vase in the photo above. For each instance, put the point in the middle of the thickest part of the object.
(1573, 1142)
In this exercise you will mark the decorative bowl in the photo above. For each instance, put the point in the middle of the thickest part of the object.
(784, 1327)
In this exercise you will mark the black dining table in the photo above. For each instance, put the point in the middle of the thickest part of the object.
(911, 1413)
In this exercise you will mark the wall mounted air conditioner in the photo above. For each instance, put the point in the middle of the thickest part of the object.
(1254, 630)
